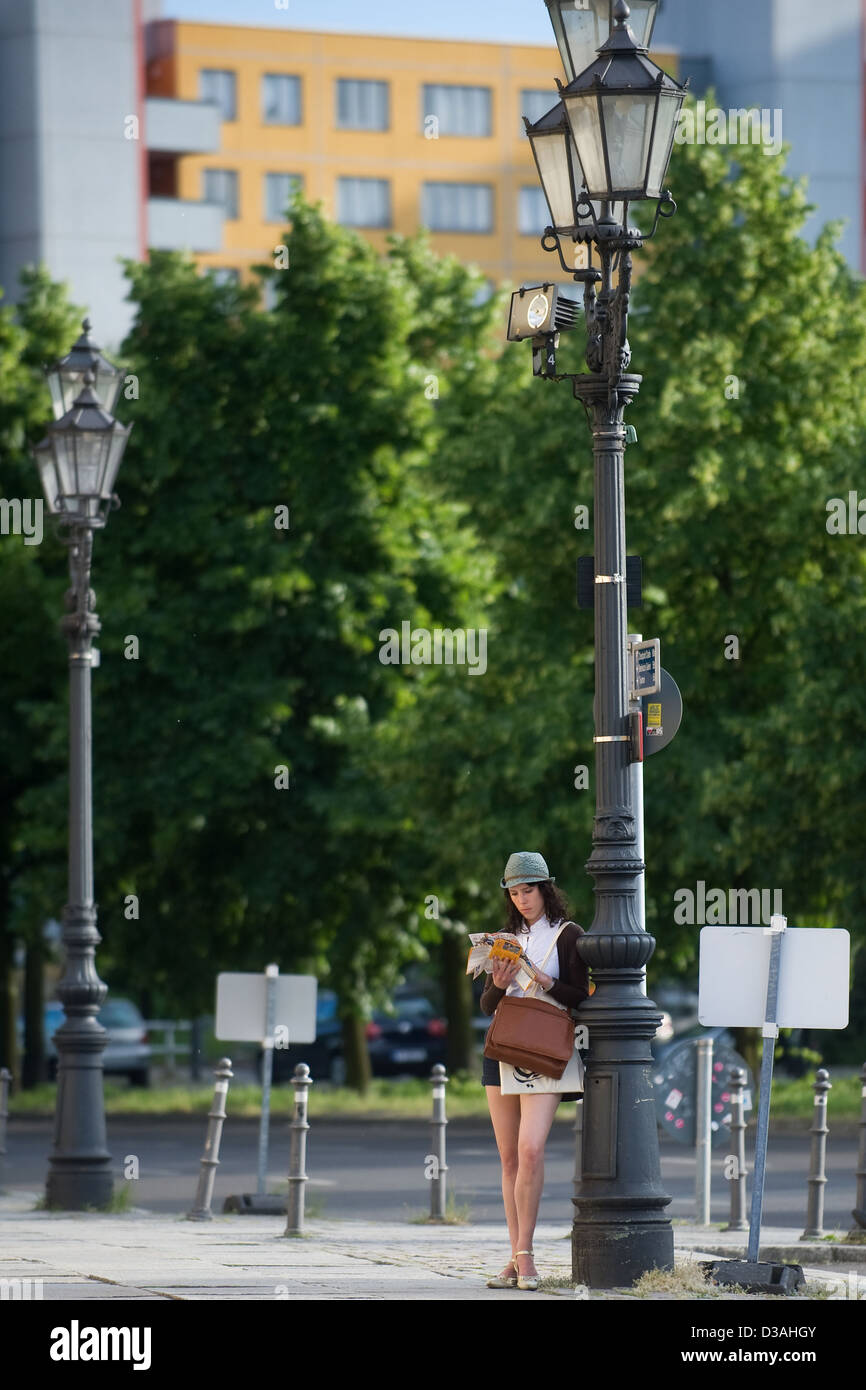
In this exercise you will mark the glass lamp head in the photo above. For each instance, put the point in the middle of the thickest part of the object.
(79, 458)
(623, 111)
(66, 377)
(582, 26)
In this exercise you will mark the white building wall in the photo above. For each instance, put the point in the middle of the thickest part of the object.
(70, 179)
(807, 60)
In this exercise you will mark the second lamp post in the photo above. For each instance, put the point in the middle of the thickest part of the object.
(78, 462)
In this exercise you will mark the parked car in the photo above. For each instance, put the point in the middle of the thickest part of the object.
(127, 1051)
(411, 1040)
(324, 1057)
(408, 1041)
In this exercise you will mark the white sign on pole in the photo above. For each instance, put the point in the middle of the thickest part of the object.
(646, 667)
(241, 1010)
(813, 977)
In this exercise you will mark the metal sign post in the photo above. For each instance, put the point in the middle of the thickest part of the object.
(271, 973)
(800, 982)
(255, 1008)
(770, 1031)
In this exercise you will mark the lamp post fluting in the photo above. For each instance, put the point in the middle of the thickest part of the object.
(78, 462)
(607, 144)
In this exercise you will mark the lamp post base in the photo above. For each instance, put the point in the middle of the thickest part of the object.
(608, 1255)
(76, 1184)
(621, 1228)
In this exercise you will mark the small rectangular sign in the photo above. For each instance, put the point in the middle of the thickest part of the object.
(241, 1008)
(813, 977)
(646, 668)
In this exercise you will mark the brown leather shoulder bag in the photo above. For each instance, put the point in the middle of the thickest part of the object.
(529, 1032)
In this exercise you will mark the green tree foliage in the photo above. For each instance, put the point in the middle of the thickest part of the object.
(276, 516)
(751, 344)
(39, 329)
(430, 479)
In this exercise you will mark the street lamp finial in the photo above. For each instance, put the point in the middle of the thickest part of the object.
(621, 11)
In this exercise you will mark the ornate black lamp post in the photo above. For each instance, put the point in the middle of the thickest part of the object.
(78, 462)
(606, 144)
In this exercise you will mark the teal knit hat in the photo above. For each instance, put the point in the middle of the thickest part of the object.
(526, 866)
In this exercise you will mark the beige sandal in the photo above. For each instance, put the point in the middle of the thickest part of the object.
(501, 1282)
(529, 1281)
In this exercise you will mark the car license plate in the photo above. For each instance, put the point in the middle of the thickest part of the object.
(409, 1054)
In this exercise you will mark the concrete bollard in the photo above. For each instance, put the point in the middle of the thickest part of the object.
(737, 1085)
(859, 1212)
(439, 1168)
(817, 1160)
(210, 1158)
(301, 1082)
(5, 1083)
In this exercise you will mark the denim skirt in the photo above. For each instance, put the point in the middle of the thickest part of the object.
(489, 1072)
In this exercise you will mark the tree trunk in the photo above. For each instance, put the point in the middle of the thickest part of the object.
(8, 1037)
(34, 1068)
(356, 1053)
(457, 997)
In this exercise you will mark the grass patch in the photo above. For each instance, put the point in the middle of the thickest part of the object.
(685, 1280)
(796, 1099)
(121, 1201)
(405, 1100)
(550, 1283)
(121, 1198)
(456, 1214)
(385, 1099)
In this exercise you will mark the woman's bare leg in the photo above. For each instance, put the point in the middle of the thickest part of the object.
(505, 1114)
(536, 1117)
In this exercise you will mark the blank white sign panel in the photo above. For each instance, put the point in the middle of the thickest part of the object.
(240, 1008)
(813, 977)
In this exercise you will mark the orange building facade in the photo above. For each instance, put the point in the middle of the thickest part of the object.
(389, 134)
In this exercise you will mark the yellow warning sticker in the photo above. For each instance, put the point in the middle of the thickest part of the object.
(653, 716)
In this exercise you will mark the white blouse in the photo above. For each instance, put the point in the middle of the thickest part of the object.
(536, 944)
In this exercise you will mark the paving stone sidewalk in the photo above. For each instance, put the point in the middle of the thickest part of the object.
(145, 1256)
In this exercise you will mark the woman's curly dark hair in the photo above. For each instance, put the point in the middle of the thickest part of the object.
(555, 907)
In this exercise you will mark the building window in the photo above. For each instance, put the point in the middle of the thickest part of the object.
(533, 213)
(278, 194)
(224, 275)
(281, 99)
(362, 105)
(458, 110)
(221, 186)
(364, 202)
(457, 207)
(270, 294)
(533, 105)
(219, 88)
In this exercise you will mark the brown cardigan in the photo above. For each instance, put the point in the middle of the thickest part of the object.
(570, 989)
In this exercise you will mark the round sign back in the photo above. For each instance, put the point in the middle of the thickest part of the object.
(676, 1092)
(662, 715)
